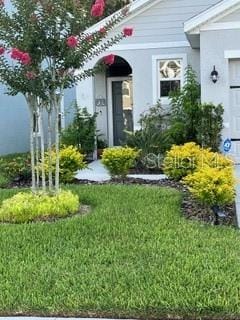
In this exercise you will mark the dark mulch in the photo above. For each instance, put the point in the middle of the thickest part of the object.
(191, 209)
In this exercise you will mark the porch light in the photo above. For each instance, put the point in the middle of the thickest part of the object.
(214, 75)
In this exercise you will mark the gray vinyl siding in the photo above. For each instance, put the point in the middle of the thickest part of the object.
(235, 16)
(163, 22)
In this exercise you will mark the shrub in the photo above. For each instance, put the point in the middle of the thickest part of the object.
(213, 160)
(151, 138)
(181, 160)
(16, 166)
(82, 132)
(26, 207)
(192, 121)
(210, 126)
(4, 181)
(119, 161)
(212, 186)
(71, 160)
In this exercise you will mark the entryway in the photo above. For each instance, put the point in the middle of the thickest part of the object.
(120, 93)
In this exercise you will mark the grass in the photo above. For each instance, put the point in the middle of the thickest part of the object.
(133, 256)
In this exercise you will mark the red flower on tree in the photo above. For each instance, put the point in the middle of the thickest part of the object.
(2, 50)
(72, 42)
(128, 32)
(98, 8)
(109, 60)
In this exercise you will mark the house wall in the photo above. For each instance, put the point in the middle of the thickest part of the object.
(163, 22)
(213, 47)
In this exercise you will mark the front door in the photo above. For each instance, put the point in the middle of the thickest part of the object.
(122, 109)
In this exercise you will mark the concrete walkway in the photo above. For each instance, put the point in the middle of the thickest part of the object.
(97, 173)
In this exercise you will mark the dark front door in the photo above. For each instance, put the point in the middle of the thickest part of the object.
(122, 110)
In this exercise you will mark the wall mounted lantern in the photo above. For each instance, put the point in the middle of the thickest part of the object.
(214, 75)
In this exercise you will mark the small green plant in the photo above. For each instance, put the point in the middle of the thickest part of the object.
(119, 160)
(27, 207)
(151, 138)
(16, 166)
(71, 160)
(82, 132)
(212, 186)
(4, 181)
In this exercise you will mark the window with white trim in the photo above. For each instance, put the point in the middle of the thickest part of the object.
(170, 77)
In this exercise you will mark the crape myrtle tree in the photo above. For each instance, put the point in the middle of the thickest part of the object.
(43, 51)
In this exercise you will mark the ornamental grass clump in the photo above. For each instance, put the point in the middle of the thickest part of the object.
(27, 207)
(119, 160)
(212, 186)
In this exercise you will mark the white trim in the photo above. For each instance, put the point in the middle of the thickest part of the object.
(110, 107)
(150, 45)
(209, 14)
(222, 26)
(155, 75)
(232, 54)
(142, 5)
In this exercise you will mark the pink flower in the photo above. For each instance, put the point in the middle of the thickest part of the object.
(25, 59)
(2, 50)
(1, 3)
(30, 75)
(109, 60)
(103, 30)
(97, 9)
(16, 54)
(128, 32)
(72, 42)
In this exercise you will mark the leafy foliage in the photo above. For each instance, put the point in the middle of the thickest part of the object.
(212, 186)
(26, 207)
(192, 121)
(210, 125)
(16, 166)
(151, 138)
(181, 160)
(82, 132)
(185, 110)
(71, 160)
(119, 161)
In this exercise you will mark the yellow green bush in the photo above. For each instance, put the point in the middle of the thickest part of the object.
(212, 186)
(71, 160)
(119, 160)
(26, 207)
(181, 160)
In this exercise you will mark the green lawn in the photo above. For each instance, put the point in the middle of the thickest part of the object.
(133, 256)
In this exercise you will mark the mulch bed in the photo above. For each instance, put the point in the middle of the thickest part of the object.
(191, 209)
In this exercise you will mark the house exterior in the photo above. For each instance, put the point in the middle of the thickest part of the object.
(168, 35)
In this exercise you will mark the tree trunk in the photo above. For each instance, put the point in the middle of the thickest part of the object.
(31, 107)
(57, 142)
(50, 170)
(36, 136)
(42, 148)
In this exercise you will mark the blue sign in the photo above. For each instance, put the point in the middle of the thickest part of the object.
(227, 145)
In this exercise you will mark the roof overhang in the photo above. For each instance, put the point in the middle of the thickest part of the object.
(193, 27)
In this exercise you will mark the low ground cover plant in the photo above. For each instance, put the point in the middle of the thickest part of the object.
(27, 207)
(119, 160)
